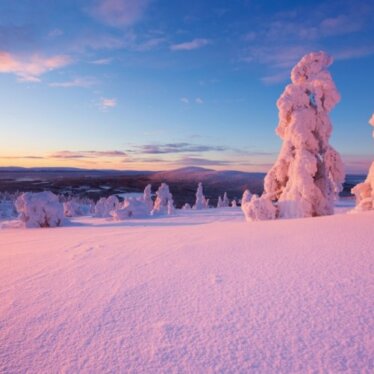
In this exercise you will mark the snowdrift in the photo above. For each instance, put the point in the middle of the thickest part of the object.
(201, 291)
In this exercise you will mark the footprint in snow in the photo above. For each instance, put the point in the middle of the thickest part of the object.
(216, 279)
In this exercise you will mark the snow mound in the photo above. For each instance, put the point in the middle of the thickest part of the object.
(105, 205)
(40, 209)
(131, 208)
(258, 209)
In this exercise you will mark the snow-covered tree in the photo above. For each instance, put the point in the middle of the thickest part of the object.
(147, 197)
(171, 209)
(364, 192)
(75, 207)
(163, 196)
(105, 205)
(40, 209)
(201, 202)
(186, 206)
(219, 202)
(308, 173)
(131, 208)
(258, 209)
(233, 203)
(7, 206)
(226, 201)
(246, 197)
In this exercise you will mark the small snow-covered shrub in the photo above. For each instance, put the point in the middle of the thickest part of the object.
(201, 202)
(234, 204)
(40, 209)
(131, 208)
(364, 192)
(186, 206)
(105, 205)
(259, 209)
(163, 196)
(7, 206)
(76, 207)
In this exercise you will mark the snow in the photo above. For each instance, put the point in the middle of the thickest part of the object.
(309, 172)
(201, 202)
(258, 209)
(106, 205)
(131, 208)
(200, 291)
(40, 209)
(364, 192)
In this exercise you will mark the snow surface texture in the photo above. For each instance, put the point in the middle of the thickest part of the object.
(364, 192)
(199, 292)
(308, 173)
(40, 209)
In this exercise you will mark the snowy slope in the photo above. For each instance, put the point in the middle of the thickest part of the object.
(193, 293)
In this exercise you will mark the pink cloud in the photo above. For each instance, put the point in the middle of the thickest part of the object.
(107, 103)
(77, 82)
(188, 46)
(119, 13)
(31, 68)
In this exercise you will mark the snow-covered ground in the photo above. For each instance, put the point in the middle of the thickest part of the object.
(202, 291)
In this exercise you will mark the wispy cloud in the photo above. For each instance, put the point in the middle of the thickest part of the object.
(181, 147)
(29, 69)
(285, 37)
(191, 45)
(185, 100)
(199, 100)
(119, 13)
(87, 154)
(200, 161)
(348, 53)
(107, 103)
(83, 82)
(102, 61)
(150, 44)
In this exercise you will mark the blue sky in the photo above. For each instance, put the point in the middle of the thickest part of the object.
(152, 84)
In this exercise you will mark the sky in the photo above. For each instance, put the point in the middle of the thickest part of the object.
(155, 84)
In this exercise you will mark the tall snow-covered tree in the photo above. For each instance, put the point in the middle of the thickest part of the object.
(309, 172)
(163, 196)
(147, 197)
(201, 202)
(219, 202)
(226, 201)
(364, 192)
